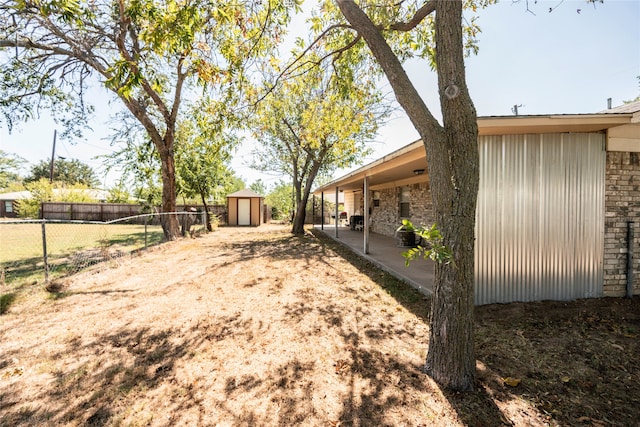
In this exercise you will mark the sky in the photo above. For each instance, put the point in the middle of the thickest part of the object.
(562, 62)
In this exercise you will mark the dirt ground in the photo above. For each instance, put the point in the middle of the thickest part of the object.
(255, 327)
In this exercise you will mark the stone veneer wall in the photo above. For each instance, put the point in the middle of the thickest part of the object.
(622, 204)
(421, 209)
(386, 217)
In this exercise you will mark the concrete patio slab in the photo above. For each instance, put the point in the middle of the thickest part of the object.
(384, 253)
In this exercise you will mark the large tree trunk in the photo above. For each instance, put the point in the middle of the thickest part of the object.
(164, 145)
(298, 219)
(170, 224)
(207, 214)
(453, 168)
(450, 358)
(302, 196)
(452, 157)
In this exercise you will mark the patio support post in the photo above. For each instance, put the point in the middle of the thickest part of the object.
(322, 211)
(365, 230)
(337, 191)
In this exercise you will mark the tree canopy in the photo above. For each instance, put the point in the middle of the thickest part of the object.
(64, 171)
(259, 187)
(44, 191)
(149, 55)
(314, 122)
(281, 201)
(9, 166)
(203, 148)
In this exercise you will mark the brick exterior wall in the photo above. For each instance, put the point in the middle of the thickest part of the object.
(622, 204)
(386, 217)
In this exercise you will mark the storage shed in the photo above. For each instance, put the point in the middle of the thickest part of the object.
(244, 207)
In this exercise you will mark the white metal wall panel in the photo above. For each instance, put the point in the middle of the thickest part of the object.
(350, 203)
(540, 217)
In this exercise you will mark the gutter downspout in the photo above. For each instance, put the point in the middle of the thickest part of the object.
(630, 242)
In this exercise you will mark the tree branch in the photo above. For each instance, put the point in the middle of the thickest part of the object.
(120, 42)
(291, 68)
(424, 11)
(405, 91)
(427, 9)
(30, 44)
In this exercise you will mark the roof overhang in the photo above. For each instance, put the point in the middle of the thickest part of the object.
(563, 123)
(394, 169)
(401, 167)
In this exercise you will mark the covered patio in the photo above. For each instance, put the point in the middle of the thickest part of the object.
(384, 253)
(554, 217)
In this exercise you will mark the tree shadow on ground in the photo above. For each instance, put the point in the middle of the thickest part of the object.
(9, 294)
(87, 386)
(283, 247)
(6, 300)
(23, 269)
(135, 240)
(480, 408)
(94, 380)
(409, 297)
(369, 369)
(100, 378)
(365, 372)
(576, 361)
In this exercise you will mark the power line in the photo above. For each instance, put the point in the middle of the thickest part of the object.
(97, 146)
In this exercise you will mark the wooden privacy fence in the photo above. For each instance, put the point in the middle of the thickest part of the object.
(109, 211)
(88, 211)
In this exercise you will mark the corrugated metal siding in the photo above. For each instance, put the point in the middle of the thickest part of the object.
(540, 217)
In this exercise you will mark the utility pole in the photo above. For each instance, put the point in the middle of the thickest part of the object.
(53, 155)
(514, 109)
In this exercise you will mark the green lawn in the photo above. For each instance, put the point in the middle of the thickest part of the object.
(21, 253)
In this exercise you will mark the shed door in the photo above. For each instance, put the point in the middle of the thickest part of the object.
(244, 211)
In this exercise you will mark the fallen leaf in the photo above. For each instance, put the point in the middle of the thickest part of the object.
(342, 366)
(512, 382)
(13, 372)
(565, 379)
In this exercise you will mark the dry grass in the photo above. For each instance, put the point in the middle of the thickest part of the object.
(252, 327)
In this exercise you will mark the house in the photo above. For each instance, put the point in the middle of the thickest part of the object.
(245, 207)
(558, 204)
(9, 201)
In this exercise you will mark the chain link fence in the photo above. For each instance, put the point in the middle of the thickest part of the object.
(32, 251)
